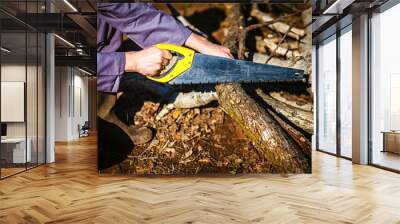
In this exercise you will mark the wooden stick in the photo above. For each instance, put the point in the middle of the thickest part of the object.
(301, 118)
(281, 51)
(295, 33)
(304, 143)
(292, 100)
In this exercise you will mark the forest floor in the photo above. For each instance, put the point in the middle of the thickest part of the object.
(192, 141)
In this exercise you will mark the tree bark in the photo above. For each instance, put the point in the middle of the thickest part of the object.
(268, 136)
(301, 140)
(293, 100)
(301, 118)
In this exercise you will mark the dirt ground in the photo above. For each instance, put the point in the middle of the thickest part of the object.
(192, 141)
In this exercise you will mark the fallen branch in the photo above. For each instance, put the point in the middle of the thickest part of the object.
(301, 140)
(292, 100)
(279, 44)
(301, 118)
(266, 134)
(281, 51)
(295, 33)
(188, 100)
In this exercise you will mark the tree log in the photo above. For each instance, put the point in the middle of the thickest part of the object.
(280, 27)
(267, 135)
(304, 143)
(301, 118)
(293, 100)
(188, 100)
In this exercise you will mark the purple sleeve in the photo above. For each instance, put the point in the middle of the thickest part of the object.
(143, 23)
(110, 67)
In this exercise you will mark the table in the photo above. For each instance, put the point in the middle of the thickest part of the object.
(391, 141)
(13, 150)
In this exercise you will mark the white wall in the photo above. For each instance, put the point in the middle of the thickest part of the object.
(71, 102)
(61, 103)
(9, 73)
(81, 104)
(16, 72)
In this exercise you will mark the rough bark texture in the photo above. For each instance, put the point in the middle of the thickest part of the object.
(301, 118)
(267, 135)
(233, 26)
(301, 140)
(293, 100)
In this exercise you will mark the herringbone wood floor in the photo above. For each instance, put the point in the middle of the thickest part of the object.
(70, 191)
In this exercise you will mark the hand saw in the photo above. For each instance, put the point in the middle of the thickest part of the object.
(189, 67)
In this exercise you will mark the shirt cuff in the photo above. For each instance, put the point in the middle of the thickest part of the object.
(108, 84)
(110, 63)
(184, 36)
(121, 58)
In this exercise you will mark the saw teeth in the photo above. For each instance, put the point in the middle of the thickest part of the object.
(245, 81)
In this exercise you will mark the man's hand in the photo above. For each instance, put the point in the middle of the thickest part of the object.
(204, 46)
(152, 60)
(149, 61)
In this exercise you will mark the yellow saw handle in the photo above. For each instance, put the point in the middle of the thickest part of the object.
(181, 62)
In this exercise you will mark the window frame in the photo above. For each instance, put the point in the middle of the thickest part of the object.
(338, 33)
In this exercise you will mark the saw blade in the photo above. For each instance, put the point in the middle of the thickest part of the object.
(208, 69)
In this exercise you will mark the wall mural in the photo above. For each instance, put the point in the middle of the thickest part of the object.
(187, 89)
